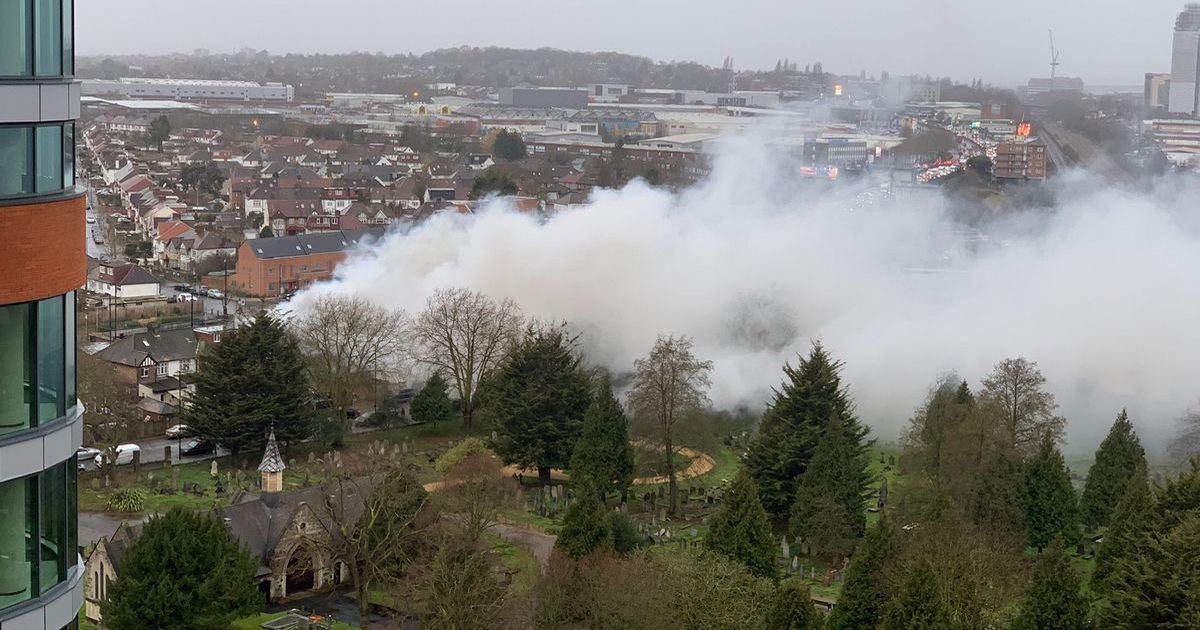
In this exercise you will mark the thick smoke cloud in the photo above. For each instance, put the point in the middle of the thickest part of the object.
(1103, 290)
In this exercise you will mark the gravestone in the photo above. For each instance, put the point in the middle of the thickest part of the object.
(312, 457)
(795, 563)
(212, 469)
(167, 455)
(784, 548)
(694, 532)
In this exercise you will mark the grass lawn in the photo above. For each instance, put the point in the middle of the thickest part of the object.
(255, 622)
(93, 497)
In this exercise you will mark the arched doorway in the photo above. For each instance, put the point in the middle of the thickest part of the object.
(300, 574)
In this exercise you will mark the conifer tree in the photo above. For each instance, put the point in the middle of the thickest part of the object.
(920, 603)
(830, 497)
(792, 608)
(811, 394)
(185, 571)
(741, 530)
(432, 404)
(865, 592)
(536, 399)
(1051, 508)
(1053, 601)
(1119, 457)
(251, 382)
(1131, 519)
(586, 527)
(998, 503)
(603, 458)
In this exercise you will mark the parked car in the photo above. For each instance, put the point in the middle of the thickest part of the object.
(182, 288)
(91, 220)
(201, 290)
(84, 453)
(215, 294)
(123, 454)
(197, 447)
(174, 299)
(187, 297)
(178, 431)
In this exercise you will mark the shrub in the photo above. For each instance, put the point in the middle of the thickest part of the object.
(128, 500)
(469, 446)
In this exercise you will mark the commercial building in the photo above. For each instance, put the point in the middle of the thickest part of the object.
(190, 89)
(1020, 159)
(1056, 85)
(1185, 62)
(1156, 92)
(575, 98)
(42, 251)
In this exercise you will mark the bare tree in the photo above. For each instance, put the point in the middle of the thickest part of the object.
(1186, 443)
(464, 334)
(1025, 412)
(669, 383)
(111, 403)
(475, 492)
(376, 514)
(349, 342)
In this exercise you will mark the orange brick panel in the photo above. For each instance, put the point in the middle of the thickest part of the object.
(42, 249)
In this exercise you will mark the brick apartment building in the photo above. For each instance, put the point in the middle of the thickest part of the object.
(1020, 160)
(275, 266)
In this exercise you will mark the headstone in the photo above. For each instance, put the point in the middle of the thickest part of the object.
(662, 514)
(312, 457)
(404, 447)
(694, 532)
(212, 469)
(167, 455)
(784, 548)
(795, 563)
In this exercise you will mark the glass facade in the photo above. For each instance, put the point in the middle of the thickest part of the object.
(37, 362)
(38, 540)
(36, 159)
(37, 38)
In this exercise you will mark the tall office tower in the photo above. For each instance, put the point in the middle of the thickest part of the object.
(1185, 62)
(42, 262)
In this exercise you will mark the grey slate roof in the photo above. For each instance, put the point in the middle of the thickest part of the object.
(272, 461)
(161, 346)
(304, 244)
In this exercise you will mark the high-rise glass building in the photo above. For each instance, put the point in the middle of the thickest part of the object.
(1185, 62)
(42, 262)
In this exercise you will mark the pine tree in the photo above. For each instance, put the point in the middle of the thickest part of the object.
(865, 591)
(1132, 518)
(185, 571)
(536, 399)
(432, 404)
(920, 603)
(811, 394)
(586, 527)
(1054, 601)
(792, 608)
(831, 494)
(741, 530)
(998, 503)
(251, 382)
(1119, 457)
(1051, 508)
(603, 459)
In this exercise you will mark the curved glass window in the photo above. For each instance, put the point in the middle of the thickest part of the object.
(38, 543)
(36, 159)
(37, 38)
(37, 377)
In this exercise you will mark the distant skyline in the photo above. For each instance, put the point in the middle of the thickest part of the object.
(1106, 42)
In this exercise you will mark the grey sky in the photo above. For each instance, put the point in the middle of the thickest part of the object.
(1104, 41)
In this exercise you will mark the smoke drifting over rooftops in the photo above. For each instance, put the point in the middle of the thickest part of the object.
(1103, 291)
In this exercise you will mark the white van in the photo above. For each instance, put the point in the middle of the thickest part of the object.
(124, 454)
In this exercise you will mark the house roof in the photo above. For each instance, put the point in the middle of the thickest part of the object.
(305, 244)
(159, 346)
(124, 275)
(272, 461)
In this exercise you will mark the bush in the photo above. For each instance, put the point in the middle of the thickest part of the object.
(329, 433)
(625, 536)
(450, 458)
(128, 500)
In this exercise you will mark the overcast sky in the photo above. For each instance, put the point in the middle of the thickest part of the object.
(1107, 42)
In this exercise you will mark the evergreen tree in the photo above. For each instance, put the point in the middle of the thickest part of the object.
(1049, 499)
(1132, 518)
(741, 530)
(432, 404)
(792, 608)
(255, 379)
(536, 399)
(603, 458)
(185, 571)
(920, 603)
(832, 490)
(1054, 601)
(865, 591)
(1119, 457)
(586, 527)
(998, 503)
(810, 395)
(509, 145)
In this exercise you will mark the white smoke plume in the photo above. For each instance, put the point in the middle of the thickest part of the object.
(1103, 291)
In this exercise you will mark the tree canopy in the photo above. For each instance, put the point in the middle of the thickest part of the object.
(185, 571)
(432, 404)
(740, 529)
(1118, 459)
(831, 495)
(1051, 508)
(1054, 600)
(603, 458)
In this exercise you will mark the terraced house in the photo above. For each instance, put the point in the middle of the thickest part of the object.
(43, 254)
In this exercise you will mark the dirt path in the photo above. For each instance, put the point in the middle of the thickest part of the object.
(700, 464)
(538, 543)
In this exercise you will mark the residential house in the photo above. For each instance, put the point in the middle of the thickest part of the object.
(274, 266)
(124, 282)
(158, 361)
